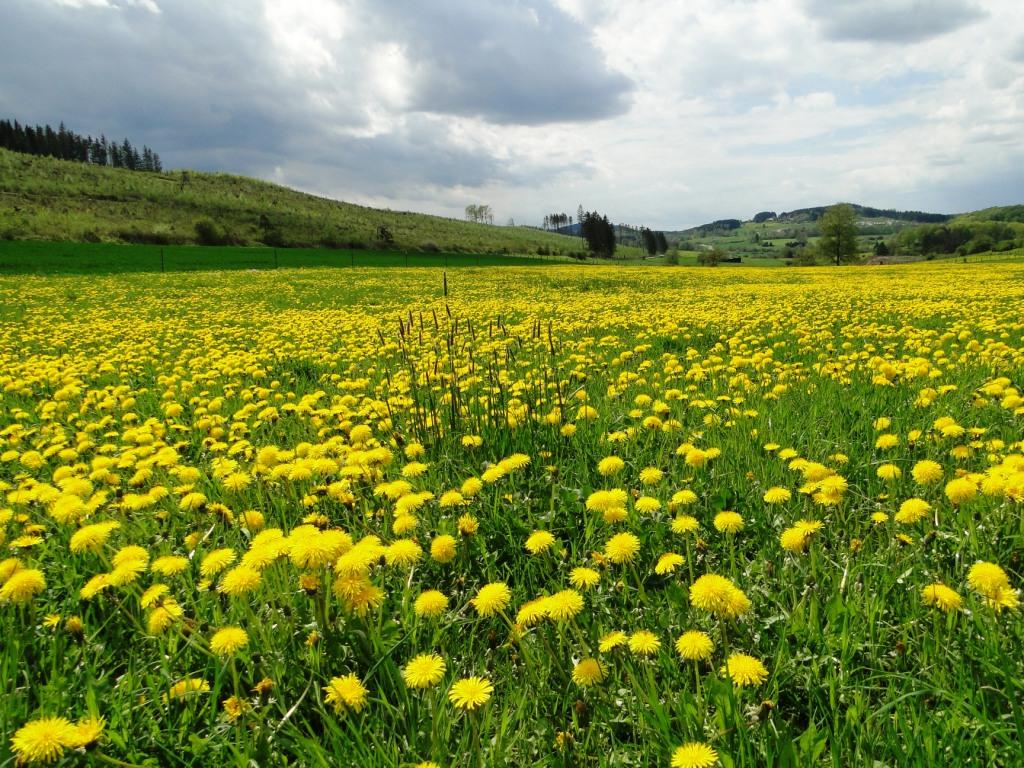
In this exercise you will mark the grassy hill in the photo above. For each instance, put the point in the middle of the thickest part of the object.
(42, 198)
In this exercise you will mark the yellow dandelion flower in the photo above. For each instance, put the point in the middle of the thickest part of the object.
(644, 643)
(942, 597)
(424, 671)
(889, 472)
(926, 472)
(492, 598)
(564, 605)
(728, 522)
(91, 538)
(912, 510)
(216, 561)
(777, 495)
(443, 548)
(610, 465)
(651, 476)
(647, 505)
(43, 740)
(695, 645)
(169, 565)
(622, 548)
(430, 604)
(345, 693)
(694, 754)
(745, 670)
(240, 580)
(186, 688)
(22, 586)
(229, 641)
(685, 524)
(668, 563)
(584, 578)
(539, 541)
(987, 579)
(961, 490)
(714, 594)
(588, 672)
(470, 692)
(611, 641)
(402, 552)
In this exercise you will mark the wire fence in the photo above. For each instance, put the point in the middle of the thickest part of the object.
(35, 257)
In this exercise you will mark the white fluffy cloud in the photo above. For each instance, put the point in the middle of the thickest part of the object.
(656, 112)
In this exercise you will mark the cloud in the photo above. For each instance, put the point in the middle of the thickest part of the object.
(891, 21)
(506, 62)
(1017, 50)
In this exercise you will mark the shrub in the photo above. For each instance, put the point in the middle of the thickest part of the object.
(273, 238)
(711, 258)
(805, 257)
(429, 246)
(141, 237)
(209, 232)
(332, 240)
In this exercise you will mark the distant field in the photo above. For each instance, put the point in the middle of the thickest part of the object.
(35, 257)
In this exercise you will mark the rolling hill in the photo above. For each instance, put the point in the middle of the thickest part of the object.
(42, 198)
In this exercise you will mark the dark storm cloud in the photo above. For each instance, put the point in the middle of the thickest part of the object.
(506, 62)
(204, 84)
(188, 77)
(890, 21)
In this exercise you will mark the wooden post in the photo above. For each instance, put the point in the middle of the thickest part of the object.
(161, 259)
(275, 258)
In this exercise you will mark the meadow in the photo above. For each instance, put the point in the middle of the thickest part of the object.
(562, 516)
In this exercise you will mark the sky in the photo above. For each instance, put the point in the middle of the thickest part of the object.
(663, 114)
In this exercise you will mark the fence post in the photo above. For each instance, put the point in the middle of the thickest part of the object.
(161, 259)
(275, 258)
(352, 257)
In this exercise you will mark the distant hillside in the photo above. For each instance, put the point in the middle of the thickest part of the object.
(1005, 213)
(992, 229)
(42, 198)
(867, 212)
(811, 215)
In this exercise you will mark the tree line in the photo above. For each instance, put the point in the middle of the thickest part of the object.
(68, 145)
(557, 220)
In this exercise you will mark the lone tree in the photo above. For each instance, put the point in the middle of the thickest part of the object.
(839, 234)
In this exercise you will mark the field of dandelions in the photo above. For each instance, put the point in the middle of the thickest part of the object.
(559, 517)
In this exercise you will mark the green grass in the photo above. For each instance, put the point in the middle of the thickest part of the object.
(46, 199)
(37, 257)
